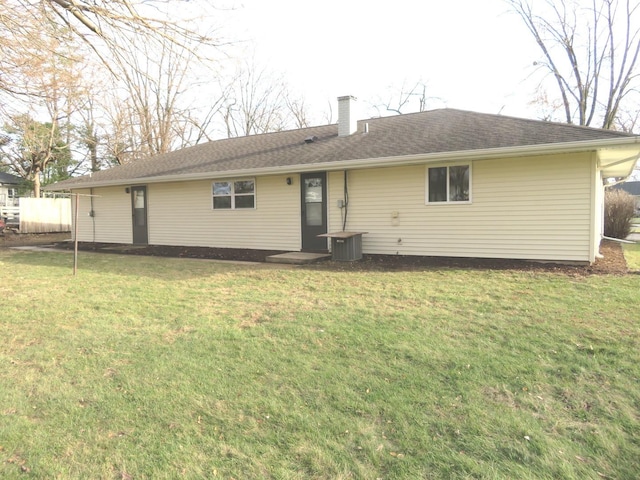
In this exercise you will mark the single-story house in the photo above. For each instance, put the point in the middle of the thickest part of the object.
(438, 183)
(632, 188)
(9, 189)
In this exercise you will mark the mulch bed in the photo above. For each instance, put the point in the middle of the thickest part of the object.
(613, 261)
(236, 254)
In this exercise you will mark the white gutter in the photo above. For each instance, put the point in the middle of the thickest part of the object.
(463, 155)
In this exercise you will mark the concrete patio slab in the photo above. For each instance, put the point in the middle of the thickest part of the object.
(298, 258)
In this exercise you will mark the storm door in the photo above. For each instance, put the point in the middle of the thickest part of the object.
(139, 215)
(313, 189)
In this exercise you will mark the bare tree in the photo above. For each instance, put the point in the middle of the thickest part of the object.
(24, 48)
(256, 100)
(254, 103)
(145, 47)
(297, 110)
(109, 25)
(408, 97)
(199, 124)
(628, 120)
(39, 134)
(109, 29)
(122, 143)
(89, 138)
(152, 83)
(590, 49)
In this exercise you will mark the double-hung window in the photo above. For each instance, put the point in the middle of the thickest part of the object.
(234, 194)
(449, 184)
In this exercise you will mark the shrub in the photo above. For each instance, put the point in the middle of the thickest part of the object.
(618, 212)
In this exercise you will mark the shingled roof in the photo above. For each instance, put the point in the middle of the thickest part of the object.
(9, 179)
(632, 188)
(426, 133)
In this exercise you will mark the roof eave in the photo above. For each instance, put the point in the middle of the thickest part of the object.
(629, 147)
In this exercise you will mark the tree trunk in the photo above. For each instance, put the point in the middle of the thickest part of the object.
(36, 185)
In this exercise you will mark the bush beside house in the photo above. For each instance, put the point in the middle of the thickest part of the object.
(619, 209)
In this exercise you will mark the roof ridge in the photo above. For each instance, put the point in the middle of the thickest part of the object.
(547, 122)
(500, 116)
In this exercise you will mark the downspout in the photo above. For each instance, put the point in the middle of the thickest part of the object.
(617, 182)
(619, 240)
(92, 214)
(345, 209)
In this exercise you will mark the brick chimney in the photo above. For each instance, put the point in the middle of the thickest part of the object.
(347, 120)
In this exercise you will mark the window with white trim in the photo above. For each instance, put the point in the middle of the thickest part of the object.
(234, 194)
(449, 184)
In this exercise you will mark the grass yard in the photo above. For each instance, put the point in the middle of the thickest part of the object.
(632, 256)
(145, 367)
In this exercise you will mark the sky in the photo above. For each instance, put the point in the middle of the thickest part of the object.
(471, 54)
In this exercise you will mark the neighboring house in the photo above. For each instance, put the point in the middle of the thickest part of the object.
(9, 189)
(632, 188)
(438, 183)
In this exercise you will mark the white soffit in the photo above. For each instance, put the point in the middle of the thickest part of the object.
(618, 161)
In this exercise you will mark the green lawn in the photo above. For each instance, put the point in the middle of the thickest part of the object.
(632, 256)
(165, 368)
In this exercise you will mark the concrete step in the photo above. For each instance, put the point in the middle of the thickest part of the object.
(298, 258)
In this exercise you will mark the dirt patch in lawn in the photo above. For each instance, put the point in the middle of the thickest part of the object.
(613, 261)
(235, 254)
(9, 238)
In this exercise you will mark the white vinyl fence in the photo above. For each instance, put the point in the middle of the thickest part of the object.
(41, 215)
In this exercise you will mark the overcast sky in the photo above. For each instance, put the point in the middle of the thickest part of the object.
(472, 55)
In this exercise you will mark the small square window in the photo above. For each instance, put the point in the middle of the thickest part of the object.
(221, 202)
(243, 187)
(244, 201)
(221, 188)
(450, 184)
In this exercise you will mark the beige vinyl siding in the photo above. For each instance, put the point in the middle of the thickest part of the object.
(182, 214)
(527, 208)
(112, 220)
